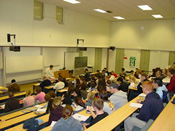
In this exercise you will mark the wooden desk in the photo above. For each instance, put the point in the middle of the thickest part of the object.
(45, 119)
(63, 90)
(34, 86)
(17, 113)
(166, 120)
(3, 89)
(64, 73)
(114, 119)
(15, 95)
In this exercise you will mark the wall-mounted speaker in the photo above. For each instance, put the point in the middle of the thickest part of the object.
(8, 38)
(112, 48)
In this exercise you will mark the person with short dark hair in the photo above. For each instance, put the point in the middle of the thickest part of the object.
(67, 122)
(45, 82)
(118, 97)
(14, 87)
(171, 85)
(12, 103)
(40, 95)
(152, 107)
(97, 105)
(87, 75)
(49, 72)
(122, 85)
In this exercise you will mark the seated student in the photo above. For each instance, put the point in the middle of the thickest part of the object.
(59, 85)
(67, 99)
(97, 105)
(132, 81)
(50, 98)
(111, 77)
(83, 91)
(90, 98)
(12, 103)
(118, 97)
(28, 100)
(108, 82)
(122, 85)
(87, 75)
(107, 105)
(171, 85)
(45, 82)
(57, 111)
(79, 104)
(152, 106)
(158, 85)
(40, 95)
(67, 122)
(14, 87)
(92, 85)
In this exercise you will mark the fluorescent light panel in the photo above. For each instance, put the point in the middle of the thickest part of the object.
(72, 1)
(144, 7)
(157, 16)
(119, 17)
(100, 10)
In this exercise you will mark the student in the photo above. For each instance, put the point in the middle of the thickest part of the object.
(97, 105)
(59, 85)
(57, 111)
(132, 81)
(79, 104)
(83, 91)
(50, 98)
(87, 75)
(122, 85)
(67, 99)
(118, 97)
(14, 87)
(67, 122)
(28, 100)
(40, 95)
(152, 106)
(45, 83)
(107, 105)
(49, 72)
(171, 85)
(90, 98)
(12, 103)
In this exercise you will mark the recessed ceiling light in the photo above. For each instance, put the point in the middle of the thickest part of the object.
(119, 17)
(72, 1)
(144, 7)
(100, 10)
(157, 16)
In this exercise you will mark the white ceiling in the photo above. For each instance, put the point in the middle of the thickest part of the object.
(124, 8)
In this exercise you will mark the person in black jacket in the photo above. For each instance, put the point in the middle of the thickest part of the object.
(45, 83)
(12, 103)
(123, 85)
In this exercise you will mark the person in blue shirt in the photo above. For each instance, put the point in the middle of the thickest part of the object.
(152, 106)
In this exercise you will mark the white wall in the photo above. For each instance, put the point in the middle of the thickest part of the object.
(104, 58)
(16, 16)
(131, 53)
(148, 34)
(112, 59)
(158, 59)
(1, 65)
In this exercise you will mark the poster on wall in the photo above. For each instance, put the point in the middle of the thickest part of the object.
(132, 61)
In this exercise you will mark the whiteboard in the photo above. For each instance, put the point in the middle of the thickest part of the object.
(1, 64)
(16, 64)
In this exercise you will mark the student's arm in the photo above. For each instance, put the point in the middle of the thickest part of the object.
(92, 113)
(84, 125)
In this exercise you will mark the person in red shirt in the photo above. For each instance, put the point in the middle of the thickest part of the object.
(114, 74)
(171, 85)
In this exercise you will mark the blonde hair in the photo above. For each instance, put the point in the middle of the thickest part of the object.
(90, 96)
(57, 102)
(132, 78)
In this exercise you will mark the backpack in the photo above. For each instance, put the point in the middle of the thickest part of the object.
(31, 125)
(165, 98)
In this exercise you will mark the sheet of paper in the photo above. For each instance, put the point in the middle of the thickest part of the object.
(136, 105)
(38, 106)
(53, 123)
(3, 106)
(31, 109)
(41, 110)
(144, 95)
(80, 117)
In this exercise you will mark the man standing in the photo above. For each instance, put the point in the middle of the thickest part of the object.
(50, 73)
(152, 106)
(118, 97)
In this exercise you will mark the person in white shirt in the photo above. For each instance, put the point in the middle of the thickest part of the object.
(132, 80)
(59, 85)
(49, 72)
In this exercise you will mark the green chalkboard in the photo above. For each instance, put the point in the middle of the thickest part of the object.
(80, 62)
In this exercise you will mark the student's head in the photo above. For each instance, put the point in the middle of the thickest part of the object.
(28, 93)
(120, 80)
(123, 69)
(147, 87)
(79, 101)
(11, 94)
(14, 87)
(51, 67)
(67, 111)
(90, 96)
(132, 79)
(104, 95)
(114, 88)
(52, 94)
(38, 90)
(100, 88)
(60, 79)
(157, 82)
(13, 81)
(98, 104)
(171, 71)
(108, 82)
(76, 92)
(47, 97)
(92, 84)
(158, 74)
(132, 72)
(143, 76)
(56, 102)
(86, 70)
(44, 78)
